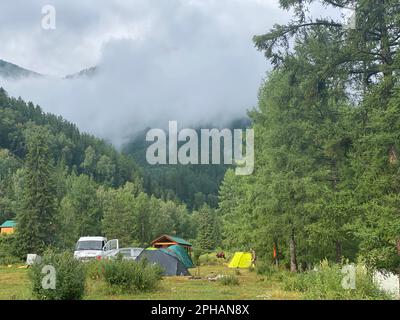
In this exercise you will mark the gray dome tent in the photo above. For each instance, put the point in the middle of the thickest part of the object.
(171, 265)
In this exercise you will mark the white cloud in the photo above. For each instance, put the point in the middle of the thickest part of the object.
(186, 60)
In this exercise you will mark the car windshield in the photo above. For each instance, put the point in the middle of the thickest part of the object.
(125, 252)
(136, 251)
(89, 245)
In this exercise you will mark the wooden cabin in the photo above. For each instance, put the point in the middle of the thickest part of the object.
(8, 227)
(166, 241)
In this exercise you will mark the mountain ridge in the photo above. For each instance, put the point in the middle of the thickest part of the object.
(10, 70)
(88, 72)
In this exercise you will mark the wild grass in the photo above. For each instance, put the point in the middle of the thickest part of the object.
(326, 283)
(272, 284)
(229, 280)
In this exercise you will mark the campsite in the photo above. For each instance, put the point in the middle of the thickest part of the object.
(214, 276)
(182, 279)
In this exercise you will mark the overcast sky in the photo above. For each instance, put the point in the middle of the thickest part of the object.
(186, 60)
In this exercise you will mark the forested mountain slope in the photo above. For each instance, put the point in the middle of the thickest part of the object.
(71, 150)
(60, 184)
(10, 70)
(195, 185)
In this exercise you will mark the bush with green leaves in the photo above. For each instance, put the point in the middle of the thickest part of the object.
(325, 282)
(209, 259)
(6, 259)
(94, 269)
(127, 276)
(229, 280)
(265, 268)
(197, 253)
(69, 277)
(7, 254)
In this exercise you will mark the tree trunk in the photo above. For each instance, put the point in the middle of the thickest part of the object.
(398, 252)
(293, 258)
(385, 50)
(276, 257)
(338, 251)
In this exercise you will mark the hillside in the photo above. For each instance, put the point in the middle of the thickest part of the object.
(12, 71)
(71, 150)
(89, 72)
(74, 184)
(192, 184)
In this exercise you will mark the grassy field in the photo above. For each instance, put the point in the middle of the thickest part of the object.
(14, 284)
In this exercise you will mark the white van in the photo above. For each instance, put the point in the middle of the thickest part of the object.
(88, 248)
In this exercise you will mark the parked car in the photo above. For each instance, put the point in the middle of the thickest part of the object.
(126, 253)
(88, 248)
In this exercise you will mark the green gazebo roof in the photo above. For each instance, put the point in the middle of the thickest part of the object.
(180, 240)
(173, 239)
(8, 224)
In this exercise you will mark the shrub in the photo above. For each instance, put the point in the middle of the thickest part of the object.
(7, 254)
(326, 283)
(70, 277)
(210, 259)
(197, 252)
(7, 260)
(294, 282)
(229, 280)
(200, 257)
(265, 268)
(94, 269)
(130, 276)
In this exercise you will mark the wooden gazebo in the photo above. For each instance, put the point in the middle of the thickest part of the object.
(166, 241)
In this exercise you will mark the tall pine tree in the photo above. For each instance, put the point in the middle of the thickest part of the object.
(36, 218)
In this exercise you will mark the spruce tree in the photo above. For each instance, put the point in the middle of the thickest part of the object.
(208, 232)
(36, 218)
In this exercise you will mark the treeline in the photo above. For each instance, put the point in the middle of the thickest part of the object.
(80, 152)
(326, 183)
(69, 151)
(54, 208)
(194, 185)
(59, 185)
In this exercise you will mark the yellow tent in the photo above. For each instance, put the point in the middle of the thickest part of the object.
(241, 260)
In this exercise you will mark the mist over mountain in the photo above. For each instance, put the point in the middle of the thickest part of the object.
(189, 61)
(183, 61)
(12, 71)
(89, 72)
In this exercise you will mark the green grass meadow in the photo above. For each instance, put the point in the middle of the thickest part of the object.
(15, 284)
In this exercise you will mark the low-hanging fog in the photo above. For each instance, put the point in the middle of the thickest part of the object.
(187, 60)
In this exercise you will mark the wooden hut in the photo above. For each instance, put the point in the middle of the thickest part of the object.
(166, 241)
(8, 227)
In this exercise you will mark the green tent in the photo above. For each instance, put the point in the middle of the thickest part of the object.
(181, 254)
